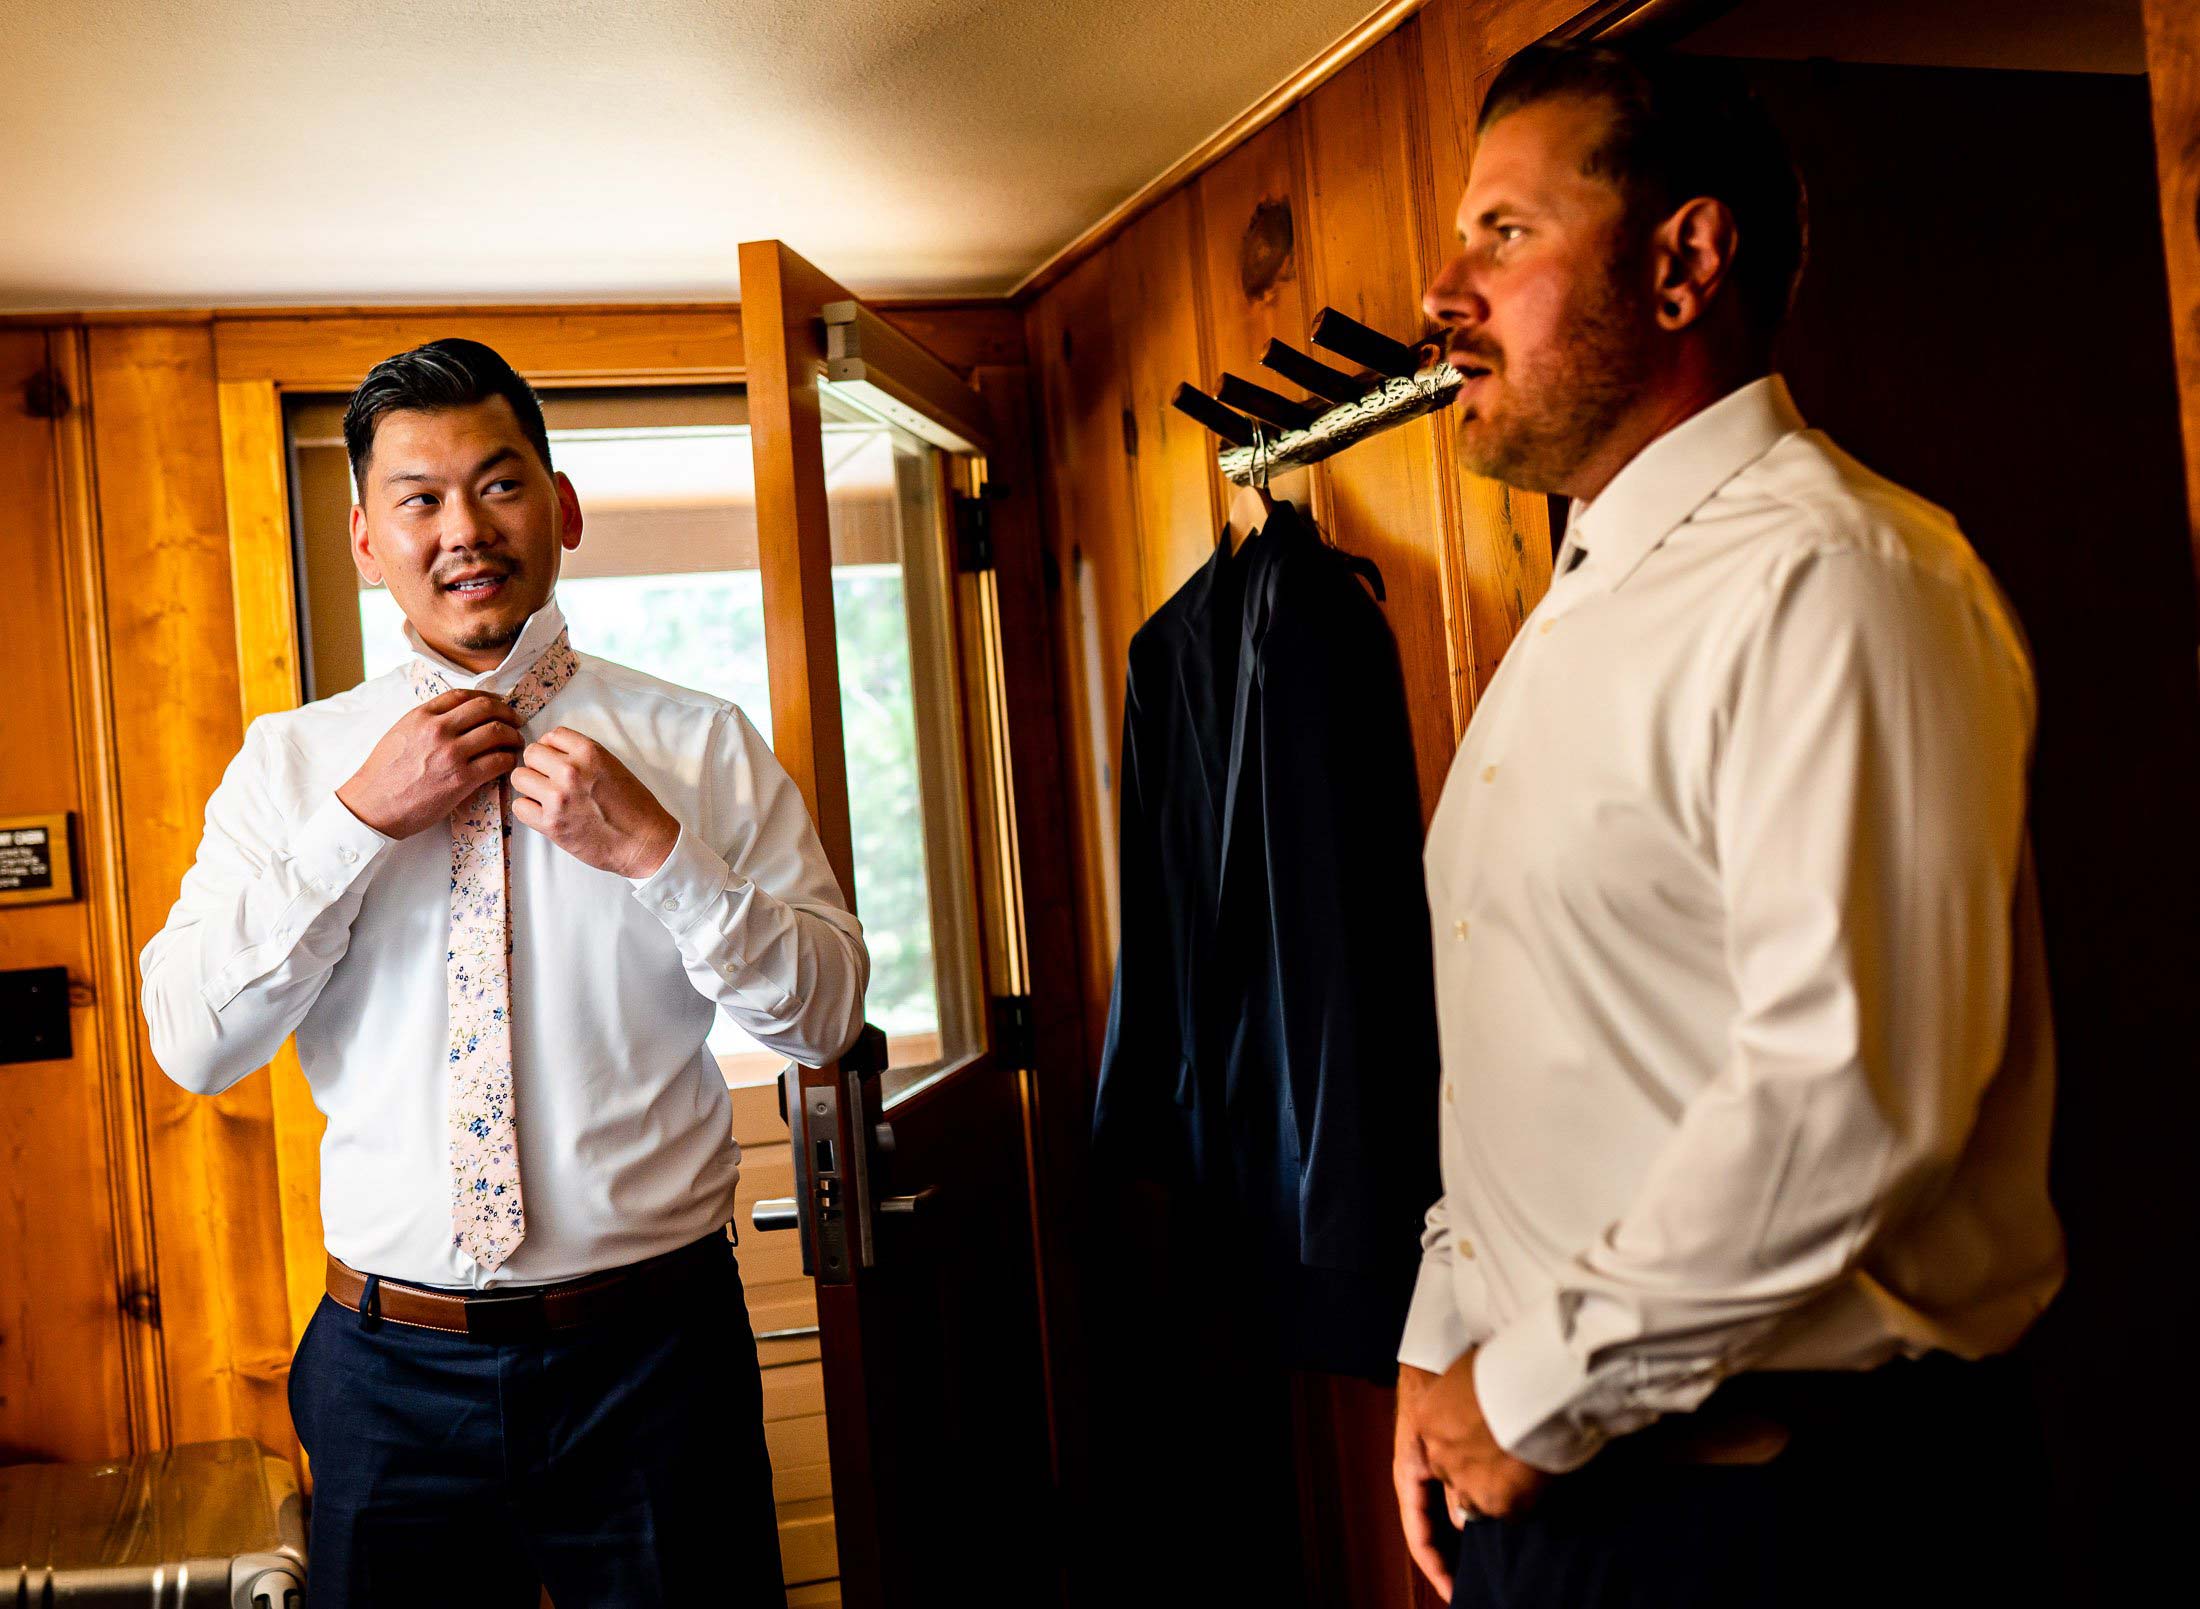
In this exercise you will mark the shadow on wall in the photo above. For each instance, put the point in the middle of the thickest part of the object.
(1985, 320)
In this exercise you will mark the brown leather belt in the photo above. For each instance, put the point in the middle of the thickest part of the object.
(527, 1312)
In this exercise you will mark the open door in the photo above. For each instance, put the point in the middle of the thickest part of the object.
(913, 1190)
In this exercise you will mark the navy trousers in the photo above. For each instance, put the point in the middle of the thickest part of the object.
(1920, 1486)
(621, 1463)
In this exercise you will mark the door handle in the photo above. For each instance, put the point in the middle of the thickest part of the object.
(906, 1206)
(776, 1212)
(798, 1332)
(832, 1205)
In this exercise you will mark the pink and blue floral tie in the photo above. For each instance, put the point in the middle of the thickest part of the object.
(487, 1217)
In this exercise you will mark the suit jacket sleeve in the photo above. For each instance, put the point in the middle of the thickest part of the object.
(1142, 1056)
(1350, 921)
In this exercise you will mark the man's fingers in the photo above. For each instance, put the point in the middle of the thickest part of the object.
(452, 698)
(550, 762)
(1432, 1565)
(488, 735)
(1420, 1529)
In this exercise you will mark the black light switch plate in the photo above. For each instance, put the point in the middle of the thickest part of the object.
(34, 1015)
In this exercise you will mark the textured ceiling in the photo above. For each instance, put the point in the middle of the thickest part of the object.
(187, 152)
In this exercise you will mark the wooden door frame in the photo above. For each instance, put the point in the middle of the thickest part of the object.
(786, 299)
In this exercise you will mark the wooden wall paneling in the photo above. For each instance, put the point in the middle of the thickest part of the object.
(1056, 1089)
(333, 349)
(1157, 323)
(1364, 151)
(64, 1362)
(1498, 558)
(106, 892)
(1250, 211)
(171, 625)
(2173, 80)
(1390, 498)
(264, 583)
(1496, 29)
(1096, 574)
(964, 335)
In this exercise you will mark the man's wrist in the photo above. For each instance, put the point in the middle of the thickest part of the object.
(358, 813)
(656, 850)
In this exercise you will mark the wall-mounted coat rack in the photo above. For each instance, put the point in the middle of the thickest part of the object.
(1267, 432)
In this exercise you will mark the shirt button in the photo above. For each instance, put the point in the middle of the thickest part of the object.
(1459, 930)
(672, 902)
(1447, 1091)
(1546, 626)
(347, 853)
(1466, 1248)
(1489, 773)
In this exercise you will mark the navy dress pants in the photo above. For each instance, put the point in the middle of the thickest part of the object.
(619, 1463)
(1921, 1486)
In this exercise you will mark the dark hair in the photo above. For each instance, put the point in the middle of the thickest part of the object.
(451, 373)
(1681, 127)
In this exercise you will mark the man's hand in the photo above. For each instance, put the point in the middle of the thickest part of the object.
(1479, 1476)
(1417, 1485)
(433, 757)
(575, 792)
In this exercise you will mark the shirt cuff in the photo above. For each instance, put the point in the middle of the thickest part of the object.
(682, 889)
(1436, 1333)
(333, 846)
(1528, 1381)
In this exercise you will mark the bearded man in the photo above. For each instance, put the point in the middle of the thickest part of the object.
(1747, 1059)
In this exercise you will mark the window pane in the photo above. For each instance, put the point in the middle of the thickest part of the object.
(901, 721)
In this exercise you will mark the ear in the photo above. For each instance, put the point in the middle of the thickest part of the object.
(1693, 251)
(370, 568)
(569, 511)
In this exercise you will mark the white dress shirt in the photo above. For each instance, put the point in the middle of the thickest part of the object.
(1746, 1047)
(299, 918)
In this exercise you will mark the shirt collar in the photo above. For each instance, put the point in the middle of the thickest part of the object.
(540, 632)
(1657, 490)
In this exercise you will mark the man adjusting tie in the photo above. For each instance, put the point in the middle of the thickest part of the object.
(498, 895)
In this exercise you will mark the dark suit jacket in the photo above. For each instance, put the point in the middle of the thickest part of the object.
(1271, 1045)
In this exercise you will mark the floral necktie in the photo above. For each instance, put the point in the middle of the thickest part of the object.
(487, 1217)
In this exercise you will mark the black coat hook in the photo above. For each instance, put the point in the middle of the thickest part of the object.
(1348, 337)
(1311, 374)
(1272, 406)
(1232, 427)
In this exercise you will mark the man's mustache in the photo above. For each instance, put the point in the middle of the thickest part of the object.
(1456, 347)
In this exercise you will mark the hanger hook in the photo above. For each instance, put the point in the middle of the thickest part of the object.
(1259, 467)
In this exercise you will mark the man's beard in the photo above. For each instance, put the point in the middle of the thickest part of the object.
(1553, 415)
(487, 637)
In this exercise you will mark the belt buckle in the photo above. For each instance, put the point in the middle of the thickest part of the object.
(522, 1317)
